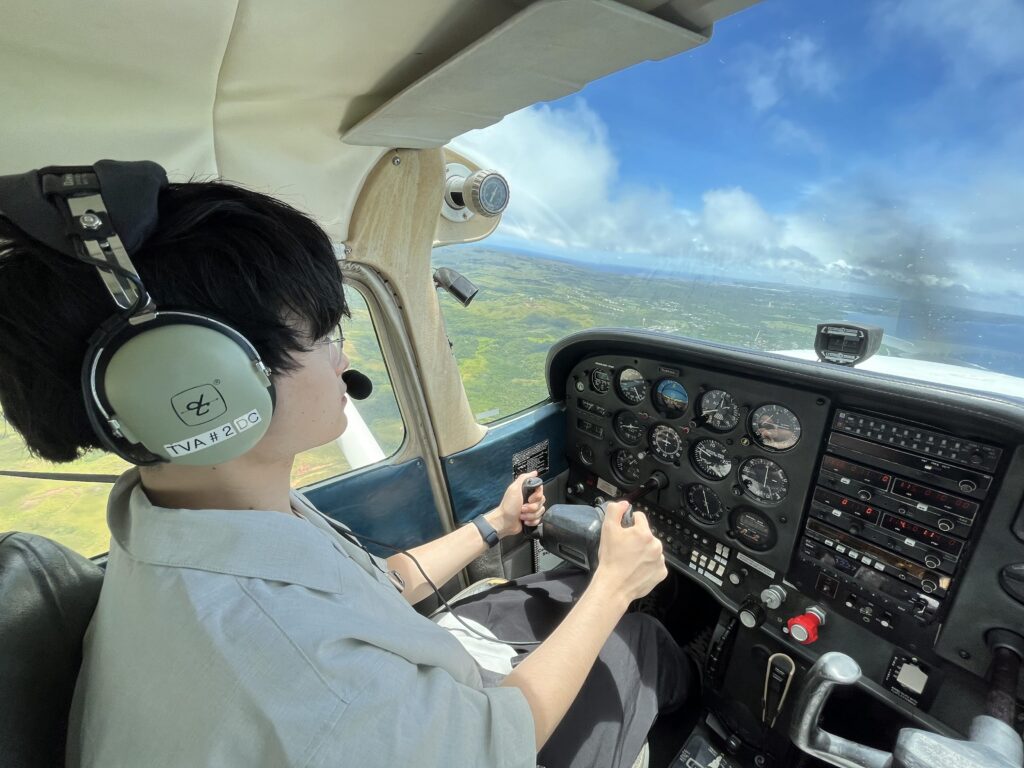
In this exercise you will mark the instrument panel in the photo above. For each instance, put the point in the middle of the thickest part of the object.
(738, 455)
(830, 508)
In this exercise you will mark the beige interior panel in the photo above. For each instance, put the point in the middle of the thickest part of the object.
(550, 49)
(392, 231)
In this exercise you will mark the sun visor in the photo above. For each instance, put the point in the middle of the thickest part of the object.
(548, 50)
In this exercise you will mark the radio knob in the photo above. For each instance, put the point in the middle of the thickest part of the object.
(804, 628)
(932, 561)
(929, 586)
(773, 597)
(945, 525)
(864, 494)
(752, 613)
(968, 486)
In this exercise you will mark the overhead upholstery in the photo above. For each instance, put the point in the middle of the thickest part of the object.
(47, 597)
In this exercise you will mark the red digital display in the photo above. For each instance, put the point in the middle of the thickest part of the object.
(944, 501)
(924, 535)
(838, 501)
(853, 471)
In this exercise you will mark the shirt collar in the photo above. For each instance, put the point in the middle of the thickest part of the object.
(259, 544)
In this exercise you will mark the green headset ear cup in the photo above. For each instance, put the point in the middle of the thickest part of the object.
(188, 392)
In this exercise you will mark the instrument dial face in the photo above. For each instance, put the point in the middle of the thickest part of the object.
(670, 398)
(628, 428)
(703, 504)
(764, 480)
(711, 459)
(632, 387)
(753, 529)
(626, 467)
(775, 427)
(719, 410)
(601, 380)
(665, 442)
(586, 454)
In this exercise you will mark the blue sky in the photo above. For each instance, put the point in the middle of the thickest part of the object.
(869, 146)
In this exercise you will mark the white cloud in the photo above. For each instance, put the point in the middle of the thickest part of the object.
(977, 38)
(798, 65)
(942, 226)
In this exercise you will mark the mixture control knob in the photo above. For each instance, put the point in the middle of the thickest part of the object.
(804, 628)
(752, 613)
(773, 597)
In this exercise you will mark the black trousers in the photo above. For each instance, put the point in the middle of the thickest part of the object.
(639, 671)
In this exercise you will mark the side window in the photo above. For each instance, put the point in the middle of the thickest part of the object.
(375, 429)
(74, 512)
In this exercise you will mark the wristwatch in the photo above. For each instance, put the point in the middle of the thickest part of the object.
(486, 530)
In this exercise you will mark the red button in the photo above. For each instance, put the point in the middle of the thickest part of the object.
(804, 628)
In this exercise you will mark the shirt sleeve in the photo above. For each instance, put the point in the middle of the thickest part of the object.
(422, 716)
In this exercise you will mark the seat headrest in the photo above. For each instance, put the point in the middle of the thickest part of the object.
(47, 597)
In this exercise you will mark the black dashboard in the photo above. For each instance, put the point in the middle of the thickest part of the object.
(831, 508)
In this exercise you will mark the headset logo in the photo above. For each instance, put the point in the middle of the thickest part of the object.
(198, 405)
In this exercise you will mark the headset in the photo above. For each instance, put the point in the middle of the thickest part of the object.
(159, 385)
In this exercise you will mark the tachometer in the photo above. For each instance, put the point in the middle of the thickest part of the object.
(632, 387)
(670, 398)
(753, 528)
(711, 459)
(719, 410)
(626, 467)
(775, 427)
(665, 442)
(628, 428)
(764, 480)
(703, 503)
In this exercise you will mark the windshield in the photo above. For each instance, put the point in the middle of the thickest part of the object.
(815, 162)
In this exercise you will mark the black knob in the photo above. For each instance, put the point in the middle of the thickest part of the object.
(864, 494)
(752, 613)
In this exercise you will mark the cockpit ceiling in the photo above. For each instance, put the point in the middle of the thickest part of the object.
(262, 92)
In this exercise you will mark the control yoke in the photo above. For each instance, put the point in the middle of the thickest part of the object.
(992, 744)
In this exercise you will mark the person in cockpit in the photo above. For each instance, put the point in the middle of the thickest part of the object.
(236, 624)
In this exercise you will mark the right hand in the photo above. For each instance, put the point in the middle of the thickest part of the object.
(629, 560)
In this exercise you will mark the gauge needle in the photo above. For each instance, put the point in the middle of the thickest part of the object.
(765, 483)
(704, 493)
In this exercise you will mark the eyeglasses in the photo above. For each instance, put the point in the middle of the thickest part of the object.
(335, 342)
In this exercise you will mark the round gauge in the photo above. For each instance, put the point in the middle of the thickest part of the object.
(628, 428)
(764, 480)
(711, 459)
(665, 442)
(753, 529)
(670, 398)
(632, 386)
(703, 503)
(586, 454)
(601, 380)
(775, 427)
(719, 410)
(626, 466)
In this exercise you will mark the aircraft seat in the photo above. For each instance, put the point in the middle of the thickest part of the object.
(47, 596)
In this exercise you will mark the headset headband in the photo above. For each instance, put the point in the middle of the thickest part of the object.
(98, 214)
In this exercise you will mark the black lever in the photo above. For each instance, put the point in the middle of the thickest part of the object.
(655, 482)
(530, 485)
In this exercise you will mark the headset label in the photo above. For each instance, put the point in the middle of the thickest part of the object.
(214, 436)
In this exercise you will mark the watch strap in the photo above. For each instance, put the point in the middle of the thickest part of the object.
(490, 536)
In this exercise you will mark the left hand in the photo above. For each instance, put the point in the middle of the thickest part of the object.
(511, 515)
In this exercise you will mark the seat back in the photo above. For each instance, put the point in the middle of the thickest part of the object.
(47, 597)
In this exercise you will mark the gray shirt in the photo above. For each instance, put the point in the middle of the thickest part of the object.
(255, 638)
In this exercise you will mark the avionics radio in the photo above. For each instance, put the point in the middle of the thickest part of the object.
(889, 523)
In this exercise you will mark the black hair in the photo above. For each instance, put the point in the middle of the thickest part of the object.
(258, 264)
